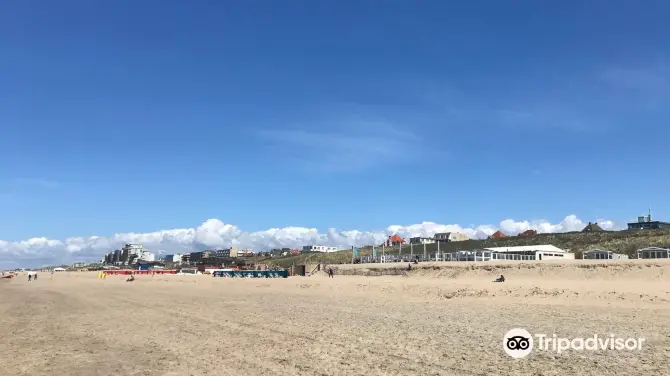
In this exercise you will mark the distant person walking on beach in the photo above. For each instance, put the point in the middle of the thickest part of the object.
(330, 273)
(30, 276)
(35, 276)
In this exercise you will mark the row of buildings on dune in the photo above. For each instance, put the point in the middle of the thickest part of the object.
(443, 237)
(395, 240)
(530, 252)
(643, 223)
(135, 254)
(440, 237)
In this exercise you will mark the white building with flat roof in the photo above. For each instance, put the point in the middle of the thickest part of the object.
(421, 240)
(520, 253)
(533, 252)
(602, 254)
(147, 256)
(450, 237)
(319, 248)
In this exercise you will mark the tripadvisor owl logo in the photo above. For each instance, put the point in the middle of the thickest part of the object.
(518, 343)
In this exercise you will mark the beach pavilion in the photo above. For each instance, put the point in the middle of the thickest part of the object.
(653, 253)
(602, 254)
(531, 252)
(519, 253)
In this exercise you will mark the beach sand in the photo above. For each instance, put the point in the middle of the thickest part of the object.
(441, 319)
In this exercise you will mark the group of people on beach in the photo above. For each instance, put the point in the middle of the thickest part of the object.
(329, 270)
(32, 276)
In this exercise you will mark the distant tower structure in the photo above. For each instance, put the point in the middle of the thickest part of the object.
(646, 222)
(645, 218)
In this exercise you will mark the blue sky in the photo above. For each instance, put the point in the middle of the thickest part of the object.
(135, 116)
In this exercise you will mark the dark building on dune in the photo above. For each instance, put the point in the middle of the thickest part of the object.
(646, 223)
(593, 227)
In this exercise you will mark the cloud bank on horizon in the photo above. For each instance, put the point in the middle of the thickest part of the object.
(213, 233)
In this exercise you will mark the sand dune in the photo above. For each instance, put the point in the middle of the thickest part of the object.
(440, 319)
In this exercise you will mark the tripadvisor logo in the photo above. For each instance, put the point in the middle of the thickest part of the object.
(519, 343)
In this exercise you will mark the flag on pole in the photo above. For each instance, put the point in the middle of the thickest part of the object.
(374, 252)
(355, 252)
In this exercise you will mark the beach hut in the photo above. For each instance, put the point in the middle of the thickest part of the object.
(602, 254)
(653, 253)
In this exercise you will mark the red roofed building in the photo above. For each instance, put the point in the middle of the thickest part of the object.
(497, 235)
(394, 240)
(528, 233)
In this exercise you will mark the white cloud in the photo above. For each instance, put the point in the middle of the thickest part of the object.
(214, 233)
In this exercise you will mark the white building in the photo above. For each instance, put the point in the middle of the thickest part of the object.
(471, 255)
(319, 248)
(130, 254)
(602, 254)
(531, 252)
(133, 253)
(653, 253)
(450, 237)
(521, 253)
(420, 240)
(147, 256)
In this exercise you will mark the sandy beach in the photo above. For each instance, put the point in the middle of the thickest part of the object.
(441, 319)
